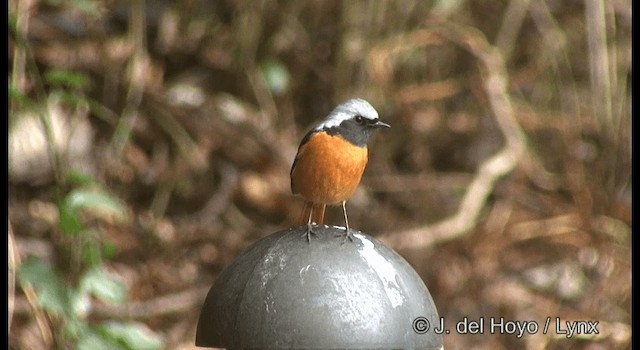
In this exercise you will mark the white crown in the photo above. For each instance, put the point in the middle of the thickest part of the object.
(346, 111)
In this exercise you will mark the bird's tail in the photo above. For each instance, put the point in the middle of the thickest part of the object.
(316, 210)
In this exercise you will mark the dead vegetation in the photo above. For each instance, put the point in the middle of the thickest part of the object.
(504, 180)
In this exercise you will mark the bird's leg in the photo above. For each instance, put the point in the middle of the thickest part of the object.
(309, 230)
(346, 223)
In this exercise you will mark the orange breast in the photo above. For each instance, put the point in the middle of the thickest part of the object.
(328, 169)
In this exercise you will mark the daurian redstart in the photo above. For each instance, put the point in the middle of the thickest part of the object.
(331, 159)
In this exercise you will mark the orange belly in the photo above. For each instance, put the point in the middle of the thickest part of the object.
(328, 169)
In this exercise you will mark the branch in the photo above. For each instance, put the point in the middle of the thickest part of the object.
(41, 318)
(494, 78)
(164, 305)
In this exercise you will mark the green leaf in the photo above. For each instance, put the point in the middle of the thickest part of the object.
(109, 250)
(52, 293)
(276, 75)
(18, 97)
(70, 221)
(66, 78)
(92, 340)
(91, 253)
(99, 284)
(75, 328)
(90, 7)
(92, 201)
(98, 203)
(13, 21)
(80, 304)
(132, 335)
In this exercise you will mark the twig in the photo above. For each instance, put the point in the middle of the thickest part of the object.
(510, 27)
(430, 91)
(250, 26)
(494, 79)
(416, 182)
(24, 51)
(18, 71)
(137, 69)
(164, 305)
(221, 198)
(556, 54)
(12, 276)
(466, 217)
(599, 63)
(553, 226)
(186, 145)
(32, 298)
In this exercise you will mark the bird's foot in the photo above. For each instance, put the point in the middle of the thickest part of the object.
(308, 232)
(347, 235)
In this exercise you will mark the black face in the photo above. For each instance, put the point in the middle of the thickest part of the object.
(356, 130)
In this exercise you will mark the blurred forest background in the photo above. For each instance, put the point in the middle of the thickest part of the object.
(150, 143)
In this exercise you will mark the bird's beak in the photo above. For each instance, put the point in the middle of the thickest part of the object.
(381, 124)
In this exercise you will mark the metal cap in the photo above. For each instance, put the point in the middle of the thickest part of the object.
(286, 292)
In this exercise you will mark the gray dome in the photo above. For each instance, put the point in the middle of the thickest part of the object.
(286, 292)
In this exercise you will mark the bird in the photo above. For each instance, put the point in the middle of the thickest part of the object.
(331, 159)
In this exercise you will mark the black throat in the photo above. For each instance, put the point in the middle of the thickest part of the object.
(352, 132)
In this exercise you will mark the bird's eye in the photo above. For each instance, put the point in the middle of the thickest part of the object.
(359, 119)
